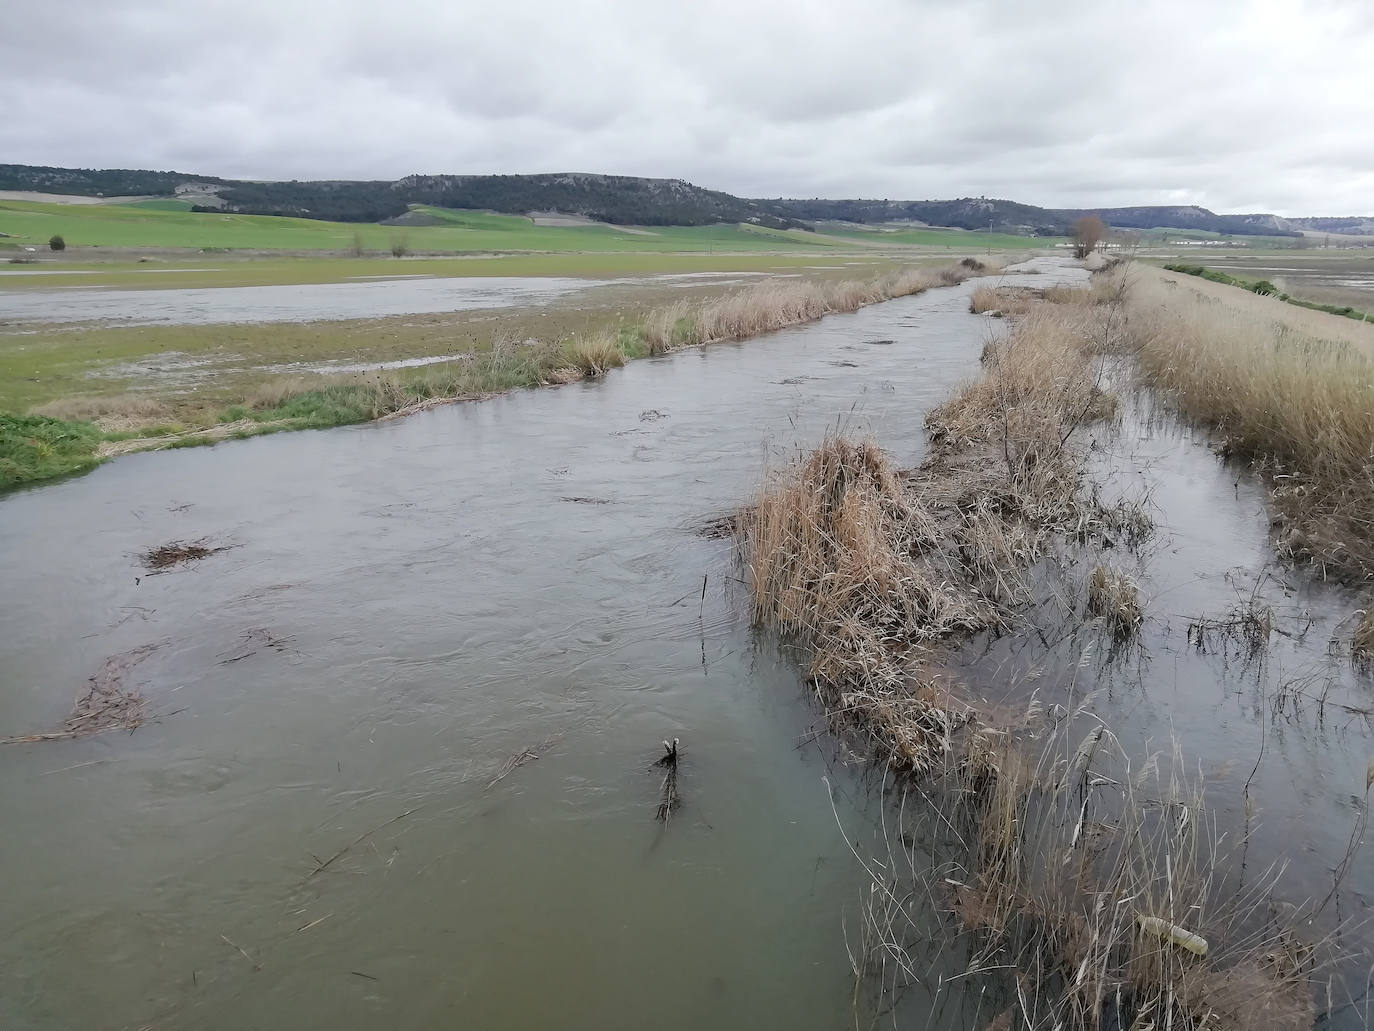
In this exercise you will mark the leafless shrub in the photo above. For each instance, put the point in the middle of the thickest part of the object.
(1247, 628)
(1088, 232)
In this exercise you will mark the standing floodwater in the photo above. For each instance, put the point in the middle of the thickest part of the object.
(437, 659)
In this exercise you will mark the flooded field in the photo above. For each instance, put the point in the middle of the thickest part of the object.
(368, 298)
(398, 722)
(364, 297)
(1346, 279)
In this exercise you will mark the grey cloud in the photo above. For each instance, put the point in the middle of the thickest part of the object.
(1236, 105)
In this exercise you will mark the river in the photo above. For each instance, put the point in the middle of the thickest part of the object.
(338, 819)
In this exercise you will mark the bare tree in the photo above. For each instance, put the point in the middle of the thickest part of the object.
(1088, 232)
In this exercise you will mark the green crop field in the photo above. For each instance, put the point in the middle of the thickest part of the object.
(152, 225)
(952, 239)
(169, 224)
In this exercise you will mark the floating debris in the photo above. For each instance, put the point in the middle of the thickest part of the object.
(719, 527)
(177, 553)
(1175, 935)
(254, 640)
(577, 500)
(522, 757)
(108, 703)
(669, 799)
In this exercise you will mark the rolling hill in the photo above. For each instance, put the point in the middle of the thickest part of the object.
(626, 200)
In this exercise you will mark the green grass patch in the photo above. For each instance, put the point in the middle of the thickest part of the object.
(162, 205)
(1344, 310)
(167, 224)
(1263, 286)
(35, 447)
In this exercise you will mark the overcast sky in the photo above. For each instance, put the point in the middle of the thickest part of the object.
(1255, 106)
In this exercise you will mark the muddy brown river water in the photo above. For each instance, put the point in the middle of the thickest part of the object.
(406, 612)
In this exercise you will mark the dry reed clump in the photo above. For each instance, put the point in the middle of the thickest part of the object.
(1114, 598)
(1069, 295)
(1000, 301)
(1362, 642)
(868, 568)
(115, 411)
(834, 560)
(1104, 897)
(768, 306)
(1289, 389)
(1081, 892)
(1104, 888)
(595, 354)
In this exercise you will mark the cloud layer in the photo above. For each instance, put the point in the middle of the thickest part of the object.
(1254, 106)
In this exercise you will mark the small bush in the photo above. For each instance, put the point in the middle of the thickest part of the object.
(56, 243)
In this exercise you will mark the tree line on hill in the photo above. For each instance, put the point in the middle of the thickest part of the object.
(627, 200)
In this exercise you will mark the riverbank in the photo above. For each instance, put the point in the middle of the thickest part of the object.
(1043, 866)
(93, 429)
(1289, 391)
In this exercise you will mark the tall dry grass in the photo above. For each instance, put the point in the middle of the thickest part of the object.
(868, 567)
(594, 354)
(773, 305)
(1085, 893)
(109, 410)
(1072, 888)
(1362, 641)
(1292, 390)
(1114, 598)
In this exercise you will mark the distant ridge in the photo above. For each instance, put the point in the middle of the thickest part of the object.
(627, 200)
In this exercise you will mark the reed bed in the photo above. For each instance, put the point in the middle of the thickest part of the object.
(1001, 301)
(1047, 883)
(769, 306)
(111, 411)
(869, 568)
(1075, 889)
(1290, 390)
(594, 354)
